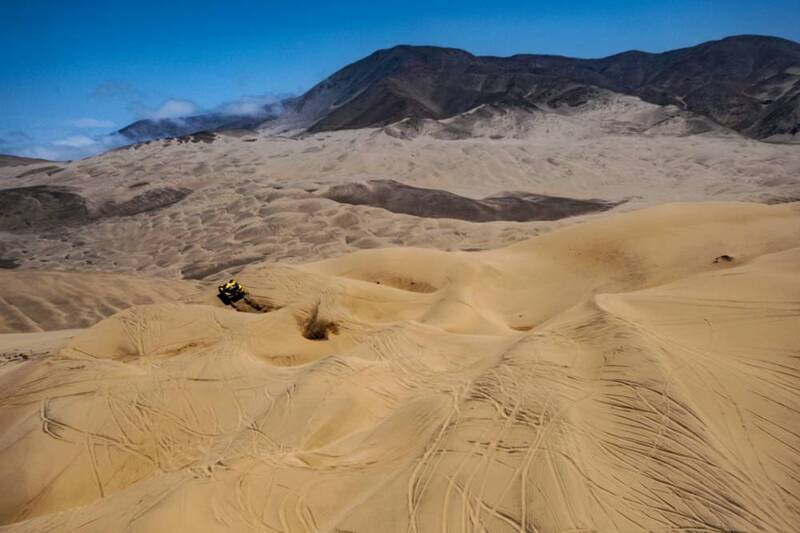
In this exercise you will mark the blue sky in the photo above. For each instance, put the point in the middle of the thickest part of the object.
(75, 70)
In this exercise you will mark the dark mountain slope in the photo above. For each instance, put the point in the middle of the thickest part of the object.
(739, 81)
(748, 83)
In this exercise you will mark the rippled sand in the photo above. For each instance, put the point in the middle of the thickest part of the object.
(638, 371)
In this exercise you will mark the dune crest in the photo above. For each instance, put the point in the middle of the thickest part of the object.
(611, 375)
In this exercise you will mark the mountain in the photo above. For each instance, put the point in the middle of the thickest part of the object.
(16, 161)
(748, 83)
(147, 129)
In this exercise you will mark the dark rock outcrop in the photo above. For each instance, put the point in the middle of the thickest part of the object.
(43, 208)
(434, 203)
(150, 200)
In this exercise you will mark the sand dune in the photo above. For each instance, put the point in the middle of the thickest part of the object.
(638, 371)
(35, 300)
(256, 197)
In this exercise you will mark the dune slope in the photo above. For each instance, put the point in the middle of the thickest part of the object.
(638, 371)
(36, 300)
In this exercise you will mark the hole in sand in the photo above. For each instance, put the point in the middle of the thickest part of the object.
(316, 328)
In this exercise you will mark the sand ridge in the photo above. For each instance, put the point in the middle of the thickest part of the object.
(608, 375)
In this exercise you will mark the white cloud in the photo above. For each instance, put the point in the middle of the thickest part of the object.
(71, 148)
(92, 123)
(174, 109)
(75, 141)
(250, 106)
(43, 152)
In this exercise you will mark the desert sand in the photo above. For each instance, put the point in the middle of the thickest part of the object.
(636, 371)
(256, 197)
(40, 300)
(594, 327)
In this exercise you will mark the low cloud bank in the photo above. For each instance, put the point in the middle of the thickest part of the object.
(174, 108)
(252, 106)
(69, 148)
(87, 137)
(75, 141)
